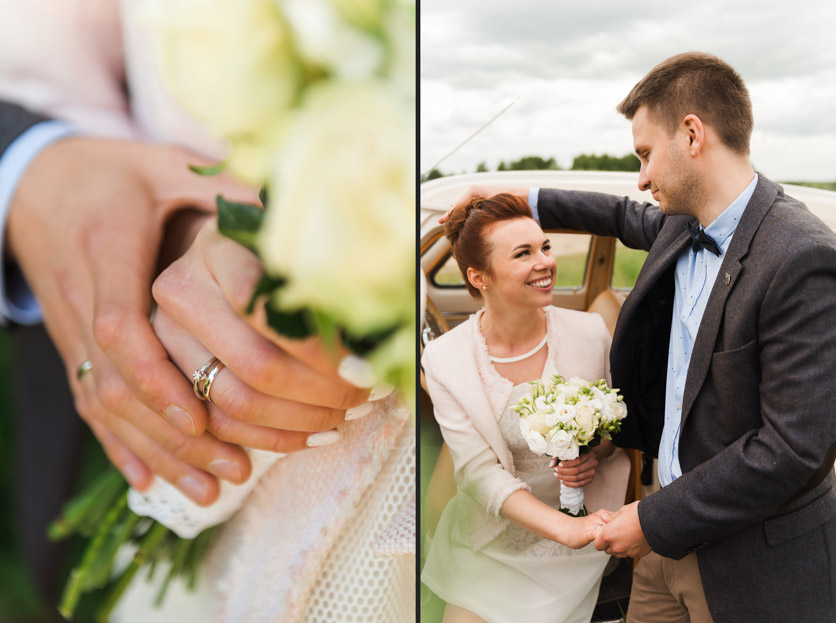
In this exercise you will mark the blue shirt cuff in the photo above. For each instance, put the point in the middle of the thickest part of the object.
(17, 302)
(533, 194)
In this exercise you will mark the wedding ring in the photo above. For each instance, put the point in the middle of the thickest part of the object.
(83, 369)
(210, 377)
(202, 378)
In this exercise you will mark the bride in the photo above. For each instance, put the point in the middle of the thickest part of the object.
(503, 551)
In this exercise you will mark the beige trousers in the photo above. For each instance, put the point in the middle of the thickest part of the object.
(667, 591)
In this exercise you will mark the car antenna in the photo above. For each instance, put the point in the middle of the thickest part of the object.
(468, 139)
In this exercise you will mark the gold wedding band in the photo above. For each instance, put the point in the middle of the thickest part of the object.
(203, 377)
(83, 369)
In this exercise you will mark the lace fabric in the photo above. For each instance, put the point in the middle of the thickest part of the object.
(165, 503)
(327, 535)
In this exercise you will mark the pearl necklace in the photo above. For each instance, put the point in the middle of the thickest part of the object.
(520, 357)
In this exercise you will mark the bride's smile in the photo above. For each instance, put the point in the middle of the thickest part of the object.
(521, 264)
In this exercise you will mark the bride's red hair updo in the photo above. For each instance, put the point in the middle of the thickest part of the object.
(467, 230)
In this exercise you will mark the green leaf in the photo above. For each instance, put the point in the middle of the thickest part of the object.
(239, 221)
(325, 328)
(209, 169)
(265, 286)
(363, 345)
(295, 325)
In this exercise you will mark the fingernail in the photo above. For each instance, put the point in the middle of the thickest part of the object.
(131, 474)
(192, 487)
(181, 419)
(228, 470)
(355, 413)
(356, 371)
(325, 438)
(381, 391)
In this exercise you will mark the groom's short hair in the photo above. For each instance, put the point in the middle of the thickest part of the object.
(700, 84)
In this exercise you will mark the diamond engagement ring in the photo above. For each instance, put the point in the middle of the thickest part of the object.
(203, 377)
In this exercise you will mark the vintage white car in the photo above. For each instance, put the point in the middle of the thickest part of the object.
(593, 274)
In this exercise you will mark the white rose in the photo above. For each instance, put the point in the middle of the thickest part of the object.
(586, 421)
(537, 423)
(542, 406)
(619, 410)
(569, 391)
(400, 26)
(536, 443)
(565, 414)
(325, 36)
(562, 444)
(340, 225)
(229, 63)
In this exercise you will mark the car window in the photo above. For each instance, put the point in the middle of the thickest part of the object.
(570, 252)
(628, 263)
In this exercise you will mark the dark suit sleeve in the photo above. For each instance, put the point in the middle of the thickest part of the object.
(792, 364)
(635, 224)
(14, 121)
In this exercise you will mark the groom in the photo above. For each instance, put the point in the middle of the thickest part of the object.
(726, 354)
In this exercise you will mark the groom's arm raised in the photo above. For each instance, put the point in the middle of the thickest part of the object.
(635, 223)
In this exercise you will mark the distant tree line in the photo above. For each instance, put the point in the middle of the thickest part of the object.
(584, 162)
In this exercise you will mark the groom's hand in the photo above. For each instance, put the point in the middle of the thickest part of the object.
(622, 536)
(85, 226)
(477, 192)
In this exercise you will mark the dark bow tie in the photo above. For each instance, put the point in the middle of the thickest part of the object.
(700, 239)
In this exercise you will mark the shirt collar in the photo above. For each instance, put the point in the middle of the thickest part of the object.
(725, 225)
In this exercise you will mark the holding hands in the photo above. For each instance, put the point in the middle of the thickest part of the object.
(622, 535)
(86, 227)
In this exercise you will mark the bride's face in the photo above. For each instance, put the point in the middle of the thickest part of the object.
(521, 263)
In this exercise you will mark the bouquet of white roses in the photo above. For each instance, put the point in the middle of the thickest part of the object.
(315, 101)
(567, 418)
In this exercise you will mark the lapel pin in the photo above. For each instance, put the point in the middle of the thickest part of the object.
(727, 278)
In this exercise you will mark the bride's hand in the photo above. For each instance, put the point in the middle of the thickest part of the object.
(578, 472)
(583, 530)
(273, 393)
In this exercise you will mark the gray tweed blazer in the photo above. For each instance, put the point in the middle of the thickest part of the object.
(756, 500)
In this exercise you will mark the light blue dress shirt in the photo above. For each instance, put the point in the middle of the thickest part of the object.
(693, 282)
(694, 279)
(16, 300)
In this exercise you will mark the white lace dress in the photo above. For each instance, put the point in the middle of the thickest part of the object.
(327, 535)
(518, 576)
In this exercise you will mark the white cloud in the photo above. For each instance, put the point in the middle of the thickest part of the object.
(571, 63)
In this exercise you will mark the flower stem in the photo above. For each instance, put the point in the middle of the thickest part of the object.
(79, 581)
(152, 539)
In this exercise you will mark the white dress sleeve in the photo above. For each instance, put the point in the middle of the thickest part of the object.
(478, 472)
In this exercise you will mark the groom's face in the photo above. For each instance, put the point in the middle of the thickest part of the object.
(666, 168)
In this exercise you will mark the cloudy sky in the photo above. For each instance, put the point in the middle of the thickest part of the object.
(570, 63)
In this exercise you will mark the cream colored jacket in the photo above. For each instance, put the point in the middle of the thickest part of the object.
(469, 396)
